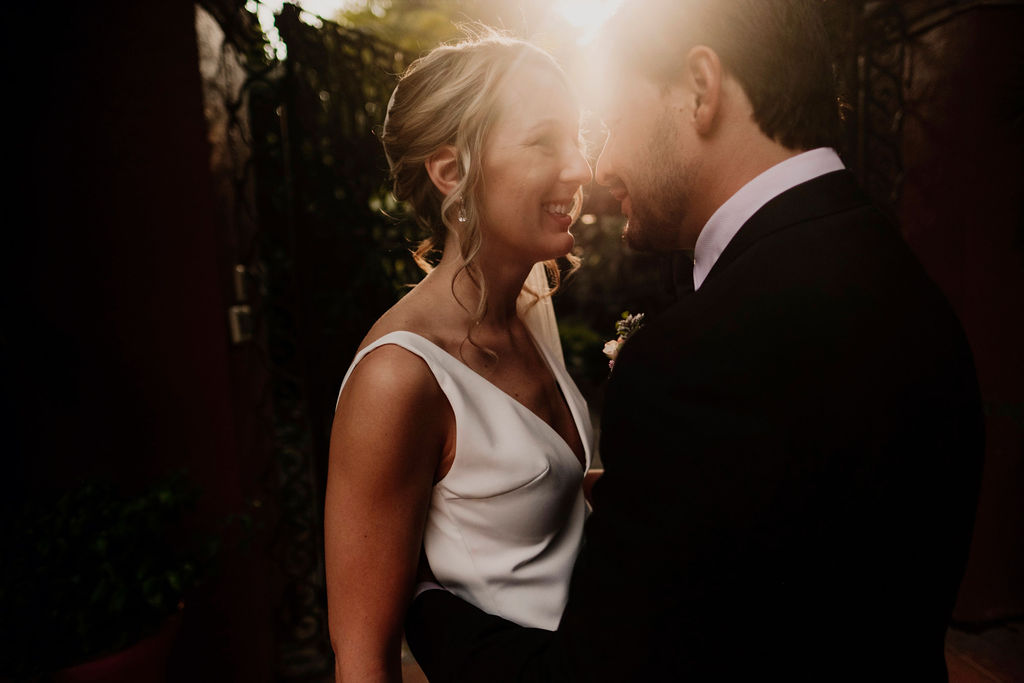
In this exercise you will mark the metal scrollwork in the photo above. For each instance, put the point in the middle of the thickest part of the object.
(882, 72)
(241, 83)
(889, 32)
(302, 181)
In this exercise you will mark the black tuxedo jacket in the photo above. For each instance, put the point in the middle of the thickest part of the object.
(792, 456)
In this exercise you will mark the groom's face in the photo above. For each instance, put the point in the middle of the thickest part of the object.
(646, 165)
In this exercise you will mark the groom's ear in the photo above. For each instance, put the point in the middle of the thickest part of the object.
(443, 169)
(704, 75)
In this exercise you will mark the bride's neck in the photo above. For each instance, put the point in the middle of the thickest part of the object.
(504, 281)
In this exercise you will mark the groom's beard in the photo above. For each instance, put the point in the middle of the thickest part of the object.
(660, 192)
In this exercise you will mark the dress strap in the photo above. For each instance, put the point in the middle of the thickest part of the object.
(410, 341)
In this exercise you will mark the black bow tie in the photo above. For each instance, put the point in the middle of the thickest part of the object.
(682, 272)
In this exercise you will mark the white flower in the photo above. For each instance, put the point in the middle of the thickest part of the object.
(611, 348)
(625, 328)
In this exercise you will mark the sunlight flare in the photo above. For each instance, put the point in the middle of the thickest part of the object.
(587, 16)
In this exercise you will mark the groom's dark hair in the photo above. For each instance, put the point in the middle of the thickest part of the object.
(778, 51)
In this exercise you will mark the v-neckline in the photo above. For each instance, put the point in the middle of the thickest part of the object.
(573, 412)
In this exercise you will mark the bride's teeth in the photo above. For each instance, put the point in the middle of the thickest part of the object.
(557, 208)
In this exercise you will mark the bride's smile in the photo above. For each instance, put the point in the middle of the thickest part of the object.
(533, 168)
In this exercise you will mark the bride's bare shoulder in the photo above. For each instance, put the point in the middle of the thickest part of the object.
(423, 311)
(395, 377)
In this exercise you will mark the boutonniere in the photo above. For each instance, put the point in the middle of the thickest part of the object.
(625, 329)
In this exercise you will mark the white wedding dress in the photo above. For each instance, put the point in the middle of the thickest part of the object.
(505, 523)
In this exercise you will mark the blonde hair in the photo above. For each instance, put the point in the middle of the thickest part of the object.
(450, 96)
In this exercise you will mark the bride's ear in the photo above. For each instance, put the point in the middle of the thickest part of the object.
(443, 169)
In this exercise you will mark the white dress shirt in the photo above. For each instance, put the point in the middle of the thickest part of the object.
(737, 210)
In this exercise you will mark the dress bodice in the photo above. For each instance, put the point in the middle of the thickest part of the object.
(505, 522)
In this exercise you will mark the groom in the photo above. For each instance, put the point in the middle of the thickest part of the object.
(791, 451)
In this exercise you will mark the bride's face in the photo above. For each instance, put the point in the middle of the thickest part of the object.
(532, 167)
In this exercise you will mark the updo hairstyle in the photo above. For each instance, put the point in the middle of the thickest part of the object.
(450, 96)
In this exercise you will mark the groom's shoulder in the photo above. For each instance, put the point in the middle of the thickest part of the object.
(785, 254)
(810, 271)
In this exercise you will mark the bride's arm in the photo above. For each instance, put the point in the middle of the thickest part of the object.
(391, 427)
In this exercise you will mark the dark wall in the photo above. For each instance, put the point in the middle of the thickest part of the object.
(115, 344)
(962, 210)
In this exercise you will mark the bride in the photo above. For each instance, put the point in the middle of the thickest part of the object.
(458, 432)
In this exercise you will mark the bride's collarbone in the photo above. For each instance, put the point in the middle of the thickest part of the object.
(521, 372)
(502, 357)
(526, 378)
(507, 358)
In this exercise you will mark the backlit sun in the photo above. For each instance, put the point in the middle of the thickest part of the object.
(586, 16)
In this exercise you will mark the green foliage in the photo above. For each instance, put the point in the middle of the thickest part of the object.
(415, 27)
(94, 571)
(333, 257)
(579, 343)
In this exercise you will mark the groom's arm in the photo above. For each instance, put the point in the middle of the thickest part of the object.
(457, 642)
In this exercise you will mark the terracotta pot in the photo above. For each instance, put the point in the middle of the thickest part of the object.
(143, 662)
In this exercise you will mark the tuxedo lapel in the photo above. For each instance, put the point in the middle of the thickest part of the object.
(828, 194)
